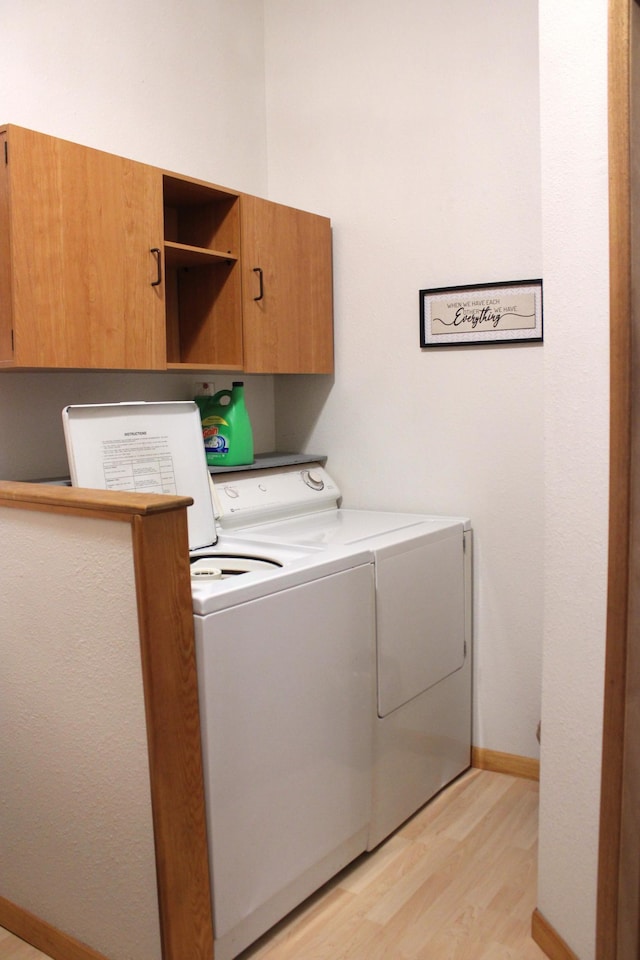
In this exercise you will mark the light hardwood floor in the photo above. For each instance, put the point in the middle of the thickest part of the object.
(457, 882)
(11, 948)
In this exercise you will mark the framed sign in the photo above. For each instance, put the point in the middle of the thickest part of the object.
(493, 313)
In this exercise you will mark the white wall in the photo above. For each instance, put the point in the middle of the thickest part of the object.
(576, 399)
(175, 83)
(415, 127)
(31, 435)
(76, 832)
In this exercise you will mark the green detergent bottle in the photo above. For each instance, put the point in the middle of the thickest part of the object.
(226, 427)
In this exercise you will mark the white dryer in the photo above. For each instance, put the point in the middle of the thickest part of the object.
(423, 614)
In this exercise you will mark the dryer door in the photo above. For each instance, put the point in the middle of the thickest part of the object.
(420, 615)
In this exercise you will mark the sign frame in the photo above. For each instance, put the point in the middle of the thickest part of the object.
(489, 313)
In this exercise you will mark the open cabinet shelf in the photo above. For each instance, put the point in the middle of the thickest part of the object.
(202, 277)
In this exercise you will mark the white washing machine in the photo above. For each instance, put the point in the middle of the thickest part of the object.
(286, 691)
(423, 576)
(284, 646)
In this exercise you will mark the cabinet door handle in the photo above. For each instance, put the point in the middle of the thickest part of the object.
(158, 280)
(258, 270)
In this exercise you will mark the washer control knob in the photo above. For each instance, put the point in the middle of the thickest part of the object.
(231, 492)
(313, 479)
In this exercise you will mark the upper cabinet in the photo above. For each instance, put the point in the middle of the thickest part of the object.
(110, 263)
(287, 302)
(76, 235)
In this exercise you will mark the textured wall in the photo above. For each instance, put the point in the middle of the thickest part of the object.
(415, 127)
(76, 836)
(576, 401)
(179, 85)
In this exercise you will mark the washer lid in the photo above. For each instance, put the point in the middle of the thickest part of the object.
(146, 448)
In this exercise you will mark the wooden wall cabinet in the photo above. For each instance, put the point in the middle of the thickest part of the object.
(114, 264)
(76, 230)
(288, 302)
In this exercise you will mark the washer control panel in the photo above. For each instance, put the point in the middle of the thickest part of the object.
(257, 496)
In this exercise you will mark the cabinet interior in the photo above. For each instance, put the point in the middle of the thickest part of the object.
(202, 274)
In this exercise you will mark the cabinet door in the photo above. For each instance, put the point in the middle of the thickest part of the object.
(6, 314)
(287, 289)
(83, 228)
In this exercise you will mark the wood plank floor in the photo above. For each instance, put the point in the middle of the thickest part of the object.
(457, 882)
(11, 948)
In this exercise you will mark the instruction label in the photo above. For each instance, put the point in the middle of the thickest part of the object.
(139, 462)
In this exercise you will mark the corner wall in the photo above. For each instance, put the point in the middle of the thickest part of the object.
(414, 126)
(573, 51)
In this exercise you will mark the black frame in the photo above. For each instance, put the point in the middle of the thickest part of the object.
(482, 324)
